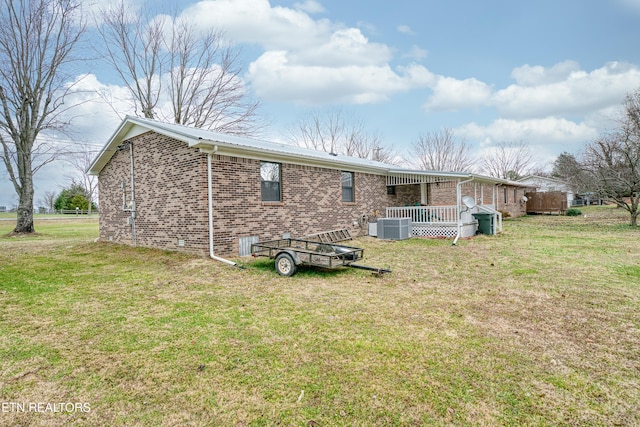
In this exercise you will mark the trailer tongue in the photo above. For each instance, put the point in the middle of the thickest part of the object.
(291, 253)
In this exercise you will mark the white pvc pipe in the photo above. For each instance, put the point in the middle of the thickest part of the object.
(210, 200)
(133, 197)
(459, 201)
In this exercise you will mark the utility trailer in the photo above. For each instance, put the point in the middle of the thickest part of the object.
(291, 253)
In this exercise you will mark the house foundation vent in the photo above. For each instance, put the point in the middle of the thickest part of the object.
(244, 245)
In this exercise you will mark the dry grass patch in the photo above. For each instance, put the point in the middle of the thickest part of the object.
(537, 326)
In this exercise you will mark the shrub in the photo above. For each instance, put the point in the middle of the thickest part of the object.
(573, 212)
(75, 196)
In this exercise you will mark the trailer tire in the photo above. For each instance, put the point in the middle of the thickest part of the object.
(285, 266)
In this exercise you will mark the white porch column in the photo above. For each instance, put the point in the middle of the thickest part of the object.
(424, 193)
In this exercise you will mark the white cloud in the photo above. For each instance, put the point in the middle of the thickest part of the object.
(452, 94)
(306, 60)
(405, 29)
(98, 110)
(540, 92)
(565, 89)
(257, 22)
(538, 75)
(416, 53)
(546, 133)
(344, 47)
(273, 77)
(309, 6)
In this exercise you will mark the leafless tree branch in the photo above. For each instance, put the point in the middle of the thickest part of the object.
(197, 73)
(613, 160)
(37, 40)
(442, 151)
(338, 133)
(509, 160)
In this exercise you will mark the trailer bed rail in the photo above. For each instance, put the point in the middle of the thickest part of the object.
(290, 253)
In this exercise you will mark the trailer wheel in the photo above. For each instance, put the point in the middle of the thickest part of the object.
(285, 265)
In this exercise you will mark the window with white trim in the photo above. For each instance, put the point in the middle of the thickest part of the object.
(270, 178)
(347, 187)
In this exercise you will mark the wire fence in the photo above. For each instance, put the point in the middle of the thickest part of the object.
(47, 211)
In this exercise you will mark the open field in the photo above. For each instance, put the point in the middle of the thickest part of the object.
(537, 326)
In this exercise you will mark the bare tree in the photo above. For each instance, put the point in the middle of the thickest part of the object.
(613, 160)
(319, 132)
(37, 39)
(198, 75)
(80, 161)
(205, 87)
(442, 151)
(134, 50)
(509, 160)
(338, 133)
(48, 200)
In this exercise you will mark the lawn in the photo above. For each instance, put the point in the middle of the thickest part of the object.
(536, 326)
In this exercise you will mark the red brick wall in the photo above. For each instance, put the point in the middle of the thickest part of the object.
(171, 199)
(311, 201)
(407, 195)
(445, 194)
(170, 203)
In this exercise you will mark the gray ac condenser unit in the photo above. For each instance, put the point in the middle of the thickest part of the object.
(394, 228)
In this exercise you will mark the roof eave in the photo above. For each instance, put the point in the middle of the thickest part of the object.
(232, 150)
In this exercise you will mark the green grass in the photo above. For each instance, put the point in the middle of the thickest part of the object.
(536, 326)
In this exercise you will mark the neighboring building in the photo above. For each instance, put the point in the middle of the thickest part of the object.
(547, 185)
(543, 184)
(179, 188)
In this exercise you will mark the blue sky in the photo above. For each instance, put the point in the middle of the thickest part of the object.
(549, 73)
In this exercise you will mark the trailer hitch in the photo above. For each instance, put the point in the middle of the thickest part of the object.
(377, 271)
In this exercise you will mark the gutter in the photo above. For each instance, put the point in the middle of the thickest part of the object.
(210, 203)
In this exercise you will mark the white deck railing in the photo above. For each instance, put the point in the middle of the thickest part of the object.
(438, 221)
(425, 214)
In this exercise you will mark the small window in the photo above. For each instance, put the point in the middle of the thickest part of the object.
(270, 182)
(347, 187)
(505, 195)
(515, 195)
(391, 189)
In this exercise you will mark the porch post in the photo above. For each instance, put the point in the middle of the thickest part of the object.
(494, 202)
(458, 201)
(424, 194)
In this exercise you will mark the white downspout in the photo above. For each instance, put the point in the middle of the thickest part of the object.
(459, 201)
(133, 197)
(210, 201)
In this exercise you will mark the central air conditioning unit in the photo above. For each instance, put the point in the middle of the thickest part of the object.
(394, 228)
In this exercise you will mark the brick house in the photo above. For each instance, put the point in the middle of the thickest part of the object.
(179, 188)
